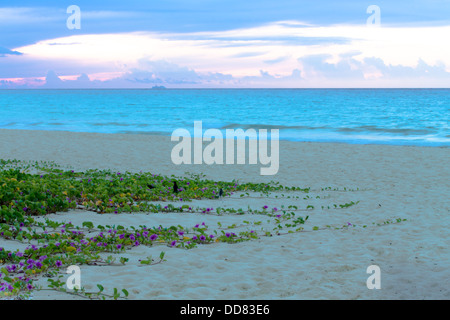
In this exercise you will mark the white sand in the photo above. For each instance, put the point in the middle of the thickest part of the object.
(405, 182)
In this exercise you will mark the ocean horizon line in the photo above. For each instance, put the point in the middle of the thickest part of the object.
(232, 88)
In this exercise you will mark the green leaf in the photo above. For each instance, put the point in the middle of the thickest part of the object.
(88, 224)
(100, 287)
(125, 292)
(7, 233)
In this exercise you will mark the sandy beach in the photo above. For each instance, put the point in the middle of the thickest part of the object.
(390, 182)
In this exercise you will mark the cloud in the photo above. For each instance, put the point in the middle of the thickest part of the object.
(247, 54)
(346, 67)
(315, 71)
(5, 51)
(243, 57)
(421, 70)
(27, 15)
(276, 60)
(53, 81)
(161, 71)
(369, 71)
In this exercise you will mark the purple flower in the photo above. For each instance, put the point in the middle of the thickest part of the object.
(194, 237)
(265, 207)
(136, 243)
(58, 263)
(153, 237)
(119, 246)
(121, 236)
(173, 243)
(29, 286)
(180, 233)
(202, 238)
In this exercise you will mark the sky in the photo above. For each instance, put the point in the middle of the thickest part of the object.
(225, 44)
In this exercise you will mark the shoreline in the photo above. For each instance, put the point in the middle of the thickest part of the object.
(168, 135)
(134, 152)
(389, 182)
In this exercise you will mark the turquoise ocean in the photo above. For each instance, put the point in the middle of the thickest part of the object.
(418, 117)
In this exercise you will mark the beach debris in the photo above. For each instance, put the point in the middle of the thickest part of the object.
(175, 187)
(220, 195)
